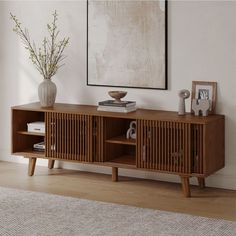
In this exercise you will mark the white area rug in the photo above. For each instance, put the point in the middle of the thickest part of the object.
(30, 213)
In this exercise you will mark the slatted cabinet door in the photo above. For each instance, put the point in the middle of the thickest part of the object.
(164, 146)
(69, 136)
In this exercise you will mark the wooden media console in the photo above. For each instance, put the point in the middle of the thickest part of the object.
(188, 146)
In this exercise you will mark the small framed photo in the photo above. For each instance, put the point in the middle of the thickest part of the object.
(205, 90)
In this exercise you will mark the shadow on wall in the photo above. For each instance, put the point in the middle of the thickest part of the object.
(14, 85)
(9, 73)
(9, 57)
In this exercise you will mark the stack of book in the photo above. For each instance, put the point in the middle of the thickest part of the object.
(113, 106)
(39, 147)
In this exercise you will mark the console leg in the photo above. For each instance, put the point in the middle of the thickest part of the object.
(114, 174)
(31, 166)
(185, 186)
(201, 182)
(51, 164)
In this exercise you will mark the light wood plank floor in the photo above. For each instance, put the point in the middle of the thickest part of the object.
(209, 202)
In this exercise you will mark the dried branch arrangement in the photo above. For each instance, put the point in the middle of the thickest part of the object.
(47, 58)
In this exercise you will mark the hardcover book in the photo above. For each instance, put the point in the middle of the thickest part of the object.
(117, 109)
(117, 104)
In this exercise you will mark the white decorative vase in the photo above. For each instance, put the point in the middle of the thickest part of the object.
(47, 91)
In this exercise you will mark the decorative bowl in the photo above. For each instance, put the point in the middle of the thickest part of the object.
(117, 95)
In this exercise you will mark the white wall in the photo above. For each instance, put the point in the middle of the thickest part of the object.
(202, 46)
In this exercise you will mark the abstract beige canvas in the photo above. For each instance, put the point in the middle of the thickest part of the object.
(126, 43)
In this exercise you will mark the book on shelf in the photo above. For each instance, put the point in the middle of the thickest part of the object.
(39, 146)
(113, 103)
(117, 109)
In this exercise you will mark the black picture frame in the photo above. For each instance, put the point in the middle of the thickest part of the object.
(165, 58)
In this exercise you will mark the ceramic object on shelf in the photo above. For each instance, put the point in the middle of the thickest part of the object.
(47, 91)
(117, 95)
(183, 94)
(201, 105)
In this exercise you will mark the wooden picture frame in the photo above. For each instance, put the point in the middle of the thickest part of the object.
(205, 90)
(126, 49)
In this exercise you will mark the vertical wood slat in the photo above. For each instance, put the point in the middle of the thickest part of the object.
(180, 159)
(173, 167)
(102, 138)
(145, 148)
(80, 138)
(168, 153)
(98, 139)
(156, 144)
(159, 145)
(138, 143)
(79, 134)
(201, 148)
(174, 146)
(149, 149)
(153, 139)
(90, 138)
(197, 154)
(164, 147)
(58, 136)
(69, 136)
(83, 132)
(185, 151)
(53, 135)
(178, 146)
(47, 134)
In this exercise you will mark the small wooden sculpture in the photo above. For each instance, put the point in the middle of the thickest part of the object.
(202, 105)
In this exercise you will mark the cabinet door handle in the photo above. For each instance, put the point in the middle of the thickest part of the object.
(144, 153)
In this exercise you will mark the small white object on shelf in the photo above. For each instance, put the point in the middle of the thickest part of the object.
(131, 132)
(183, 94)
(37, 127)
(201, 105)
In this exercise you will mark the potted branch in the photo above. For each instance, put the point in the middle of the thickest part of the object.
(47, 59)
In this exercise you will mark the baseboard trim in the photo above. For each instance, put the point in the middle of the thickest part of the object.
(218, 180)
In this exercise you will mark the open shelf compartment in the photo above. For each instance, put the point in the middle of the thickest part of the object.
(23, 140)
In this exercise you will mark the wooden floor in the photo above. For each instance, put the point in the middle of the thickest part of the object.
(209, 202)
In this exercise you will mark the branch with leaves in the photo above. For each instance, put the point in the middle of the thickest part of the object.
(47, 58)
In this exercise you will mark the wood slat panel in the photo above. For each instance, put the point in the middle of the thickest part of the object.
(165, 146)
(69, 136)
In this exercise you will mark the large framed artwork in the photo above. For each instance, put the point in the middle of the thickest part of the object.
(127, 43)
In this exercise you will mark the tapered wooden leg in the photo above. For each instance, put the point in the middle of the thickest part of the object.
(31, 166)
(185, 186)
(114, 174)
(51, 164)
(201, 182)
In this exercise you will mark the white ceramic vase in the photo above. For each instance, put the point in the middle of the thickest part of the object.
(47, 91)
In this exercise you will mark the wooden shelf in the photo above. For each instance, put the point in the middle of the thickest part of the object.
(122, 140)
(31, 133)
(122, 161)
(30, 153)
